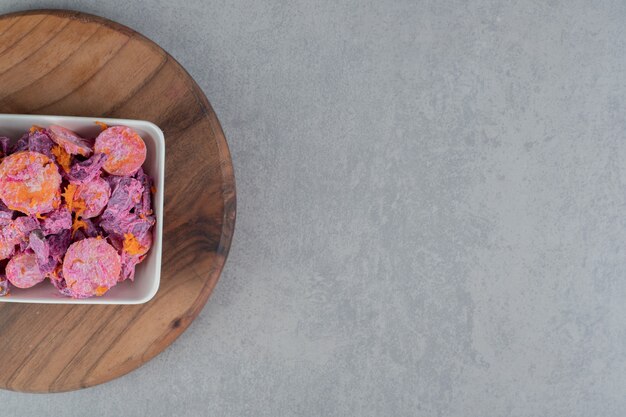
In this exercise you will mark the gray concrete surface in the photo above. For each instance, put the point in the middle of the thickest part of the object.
(432, 211)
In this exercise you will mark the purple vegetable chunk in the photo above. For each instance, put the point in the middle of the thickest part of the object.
(89, 231)
(129, 262)
(60, 284)
(117, 218)
(5, 145)
(57, 221)
(126, 192)
(145, 204)
(58, 244)
(39, 141)
(21, 144)
(37, 242)
(24, 225)
(85, 171)
(6, 214)
(15, 233)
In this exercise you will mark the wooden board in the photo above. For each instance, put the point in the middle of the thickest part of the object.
(70, 63)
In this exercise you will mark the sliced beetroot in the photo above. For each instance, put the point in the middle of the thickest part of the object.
(38, 244)
(58, 244)
(144, 207)
(84, 228)
(129, 262)
(39, 141)
(6, 214)
(57, 221)
(4, 145)
(21, 144)
(85, 171)
(15, 233)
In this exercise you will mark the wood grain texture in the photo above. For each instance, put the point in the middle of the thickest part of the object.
(70, 63)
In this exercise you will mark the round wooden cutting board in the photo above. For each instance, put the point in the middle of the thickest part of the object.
(69, 63)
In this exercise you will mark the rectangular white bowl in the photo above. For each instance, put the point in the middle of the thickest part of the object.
(148, 273)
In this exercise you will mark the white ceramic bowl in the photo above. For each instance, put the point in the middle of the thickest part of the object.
(148, 273)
